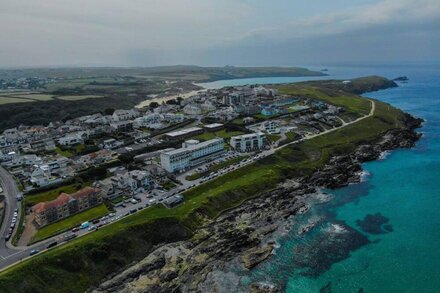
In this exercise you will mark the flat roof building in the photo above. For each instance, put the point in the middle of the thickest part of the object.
(191, 154)
(183, 133)
(213, 127)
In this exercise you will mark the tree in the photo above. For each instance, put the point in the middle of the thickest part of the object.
(154, 105)
(109, 111)
(172, 102)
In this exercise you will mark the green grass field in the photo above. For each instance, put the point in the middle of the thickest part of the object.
(11, 100)
(77, 98)
(169, 185)
(70, 222)
(221, 133)
(83, 262)
(22, 97)
(273, 137)
(352, 103)
(64, 153)
(36, 97)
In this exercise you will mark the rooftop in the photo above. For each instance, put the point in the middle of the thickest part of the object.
(194, 146)
(183, 131)
(213, 125)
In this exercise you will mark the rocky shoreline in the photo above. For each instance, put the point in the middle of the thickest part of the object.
(243, 234)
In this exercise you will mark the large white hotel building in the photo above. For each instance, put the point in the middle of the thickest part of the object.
(191, 154)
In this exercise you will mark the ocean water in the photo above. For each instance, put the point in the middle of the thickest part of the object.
(383, 234)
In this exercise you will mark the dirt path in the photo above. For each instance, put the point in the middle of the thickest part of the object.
(29, 231)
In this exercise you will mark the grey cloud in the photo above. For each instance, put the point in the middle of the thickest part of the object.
(211, 32)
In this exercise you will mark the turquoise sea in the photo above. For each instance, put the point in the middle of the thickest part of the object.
(383, 234)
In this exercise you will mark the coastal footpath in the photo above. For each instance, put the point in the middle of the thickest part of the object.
(230, 217)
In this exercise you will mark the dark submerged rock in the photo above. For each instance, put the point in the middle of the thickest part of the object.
(375, 224)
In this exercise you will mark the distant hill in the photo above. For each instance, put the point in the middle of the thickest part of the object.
(177, 72)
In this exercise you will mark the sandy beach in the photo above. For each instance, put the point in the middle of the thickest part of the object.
(167, 98)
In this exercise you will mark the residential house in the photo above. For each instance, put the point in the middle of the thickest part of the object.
(192, 109)
(124, 115)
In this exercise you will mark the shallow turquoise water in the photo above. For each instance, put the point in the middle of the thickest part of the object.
(403, 188)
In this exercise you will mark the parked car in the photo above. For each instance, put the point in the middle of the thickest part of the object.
(92, 228)
(76, 229)
(52, 244)
(69, 237)
(34, 251)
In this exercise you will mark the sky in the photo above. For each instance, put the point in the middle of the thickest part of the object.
(217, 32)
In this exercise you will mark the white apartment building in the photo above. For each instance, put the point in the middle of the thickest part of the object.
(124, 115)
(270, 127)
(248, 142)
(191, 154)
(71, 139)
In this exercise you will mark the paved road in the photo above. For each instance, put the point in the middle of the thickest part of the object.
(10, 191)
(10, 255)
